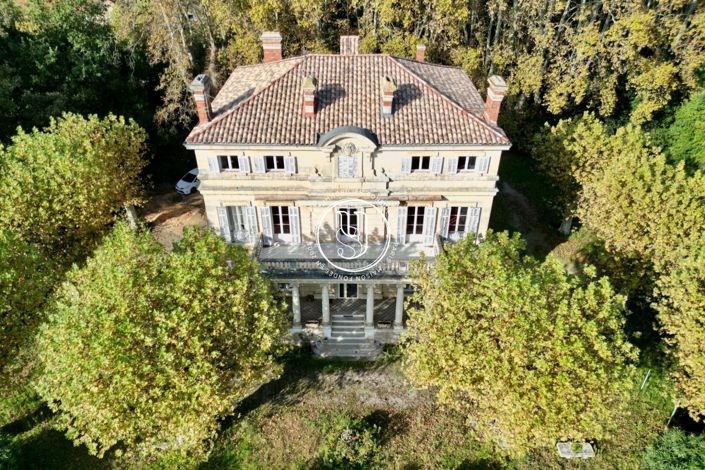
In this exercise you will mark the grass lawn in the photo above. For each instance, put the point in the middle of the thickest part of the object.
(294, 421)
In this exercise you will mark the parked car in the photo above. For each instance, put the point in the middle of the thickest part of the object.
(189, 183)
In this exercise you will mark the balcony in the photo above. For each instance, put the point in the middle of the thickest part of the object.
(306, 261)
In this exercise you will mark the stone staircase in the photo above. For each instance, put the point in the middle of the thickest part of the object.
(347, 335)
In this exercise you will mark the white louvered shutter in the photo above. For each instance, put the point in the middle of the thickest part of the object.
(401, 224)
(429, 226)
(224, 223)
(445, 219)
(294, 220)
(213, 165)
(472, 223)
(483, 164)
(436, 165)
(267, 227)
(251, 220)
(453, 165)
(244, 163)
(406, 165)
(259, 164)
(290, 165)
(354, 166)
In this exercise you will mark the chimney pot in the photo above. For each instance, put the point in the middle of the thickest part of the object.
(200, 86)
(496, 91)
(271, 46)
(388, 89)
(349, 45)
(421, 52)
(309, 86)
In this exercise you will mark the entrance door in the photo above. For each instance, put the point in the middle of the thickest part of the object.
(347, 291)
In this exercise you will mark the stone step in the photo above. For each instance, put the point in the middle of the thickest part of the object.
(347, 340)
(347, 317)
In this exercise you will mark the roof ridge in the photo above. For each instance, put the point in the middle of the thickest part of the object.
(292, 58)
(210, 123)
(447, 98)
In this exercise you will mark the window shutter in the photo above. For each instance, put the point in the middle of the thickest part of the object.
(483, 164)
(244, 162)
(251, 221)
(294, 220)
(353, 166)
(344, 166)
(453, 165)
(445, 220)
(290, 165)
(401, 224)
(267, 228)
(406, 165)
(429, 226)
(259, 164)
(213, 165)
(436, 165)
(224, 223)
(472, 223)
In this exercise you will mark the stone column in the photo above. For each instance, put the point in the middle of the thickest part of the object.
(399, 311)
(370, 311)
(325, 309)
(296, 305)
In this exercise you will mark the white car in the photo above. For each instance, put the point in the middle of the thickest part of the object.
(189, 183)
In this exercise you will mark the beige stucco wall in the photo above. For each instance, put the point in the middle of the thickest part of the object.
(379, 180)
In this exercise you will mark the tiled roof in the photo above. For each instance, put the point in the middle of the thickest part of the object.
(433, 104)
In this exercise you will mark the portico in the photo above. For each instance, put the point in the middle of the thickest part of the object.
(379, 306)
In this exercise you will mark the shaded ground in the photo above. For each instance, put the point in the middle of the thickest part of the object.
(168, 213)
(523, 205)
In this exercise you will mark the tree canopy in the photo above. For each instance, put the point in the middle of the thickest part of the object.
(684, 138)
(26, 279)
(531, 354)
(146, 349)
(62, 187)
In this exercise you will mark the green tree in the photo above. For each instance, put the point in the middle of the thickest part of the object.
(146, 350)
(62, 187)
(570, 152)
(637, 202)
(62, 56)
(675, 449)
(26, 279)
(529, 353)
(684, 139)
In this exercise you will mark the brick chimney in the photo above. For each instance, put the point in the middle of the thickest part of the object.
(272, 46)
(421, 52)
(309, 86)
(496, 91)
(201, 86)
(349, 45)
(388, 89)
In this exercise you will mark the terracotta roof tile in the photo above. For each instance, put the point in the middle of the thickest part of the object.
(433, 104)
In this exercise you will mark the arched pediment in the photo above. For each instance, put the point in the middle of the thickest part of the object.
(363, 139)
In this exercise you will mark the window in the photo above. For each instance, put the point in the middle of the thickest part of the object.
(237, 221)
(347, 291)
(414, 220)
(274, 163)
(229, 162)
(457, 220)
(280, 220)
(466, 163)
(348, 222)
(420, 163)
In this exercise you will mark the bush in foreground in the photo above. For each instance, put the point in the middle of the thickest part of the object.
(676, 450)
(145, 350)
(528, 353)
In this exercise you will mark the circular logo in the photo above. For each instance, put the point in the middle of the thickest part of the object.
(346, 244)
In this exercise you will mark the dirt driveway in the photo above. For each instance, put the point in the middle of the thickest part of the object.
(168, 213)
